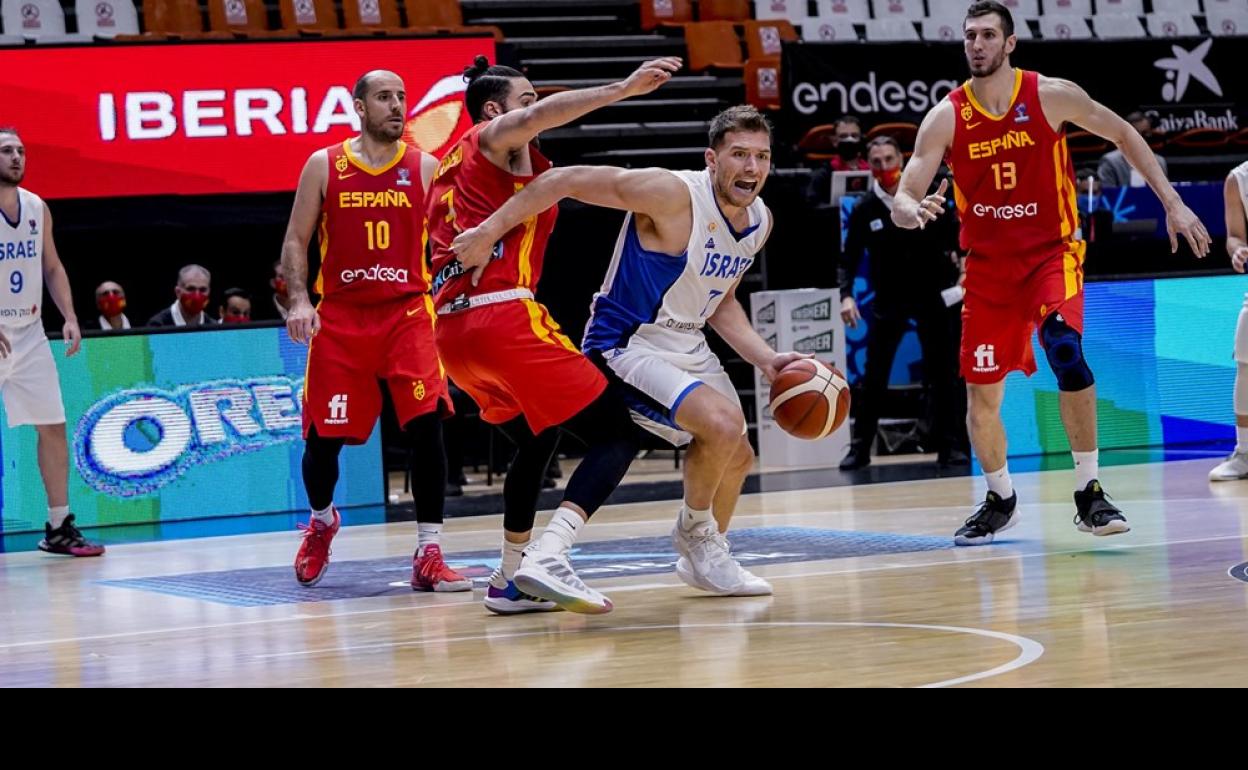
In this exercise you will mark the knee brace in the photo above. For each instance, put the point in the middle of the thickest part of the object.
(1064, 348)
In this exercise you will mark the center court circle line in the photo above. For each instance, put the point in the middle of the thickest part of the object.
(1029, 649)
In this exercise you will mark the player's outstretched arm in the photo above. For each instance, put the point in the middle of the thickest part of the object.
(912, 206)
(653, 192)
(1066, 102)
(515, 129)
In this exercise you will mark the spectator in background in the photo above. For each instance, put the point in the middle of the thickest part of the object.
(281, 300)
(237, 307)
(110, 298)
(849, 149)
(915, 275)
(192, 292)
(1115, 171)
(849, 157)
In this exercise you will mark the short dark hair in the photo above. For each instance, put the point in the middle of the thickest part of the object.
(989, 7)
(740, 118)
(850, 119)
(240, 293)
(9, 130)
(486, 83)
(884, 139)
(360, 91)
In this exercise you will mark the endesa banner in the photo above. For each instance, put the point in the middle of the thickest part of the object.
(206, 119)
(1184, 83)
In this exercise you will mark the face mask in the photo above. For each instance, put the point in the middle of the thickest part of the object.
(234, 319)
(888, 177)
(193, 302)
(111, 305)
(279, 286)
(848, 148)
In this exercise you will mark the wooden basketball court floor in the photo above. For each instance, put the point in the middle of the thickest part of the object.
(869, 591)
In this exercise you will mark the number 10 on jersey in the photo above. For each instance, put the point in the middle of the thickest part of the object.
(378, 235)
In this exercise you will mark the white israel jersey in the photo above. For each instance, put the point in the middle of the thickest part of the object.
(21, 262)
(648, 319)
(661, 301)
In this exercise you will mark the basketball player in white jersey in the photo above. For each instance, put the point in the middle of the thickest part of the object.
(1236, 193)
(28, 377)
(688, 239)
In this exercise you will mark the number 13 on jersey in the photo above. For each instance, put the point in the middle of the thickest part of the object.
(1006, 175)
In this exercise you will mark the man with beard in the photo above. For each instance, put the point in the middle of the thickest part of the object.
(28, 378)
(686, 243)
(374, 322)
(503, 348)
(1004, 135)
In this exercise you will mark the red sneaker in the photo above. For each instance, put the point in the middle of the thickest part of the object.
(313, 557)
(430, 573)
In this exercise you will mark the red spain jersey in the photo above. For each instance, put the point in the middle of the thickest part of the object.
(372, 231)
(1013, 181)
(467, 189)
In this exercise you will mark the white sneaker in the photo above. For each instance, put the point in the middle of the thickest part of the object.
(709, 562)
(749, 585)
(503, 598)
(1234, 469)
(550, 576)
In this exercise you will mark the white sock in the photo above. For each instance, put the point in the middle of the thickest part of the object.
(427, 533)
(58, 515)
(561, 532)
(511, 557)
(691, 517)
(326, 516)
(999, 482)
(1241, 434)
(1087, 468)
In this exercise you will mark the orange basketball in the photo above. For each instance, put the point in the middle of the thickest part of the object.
(809, 399)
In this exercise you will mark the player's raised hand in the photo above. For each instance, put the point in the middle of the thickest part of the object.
(651, 75)
(933, 205)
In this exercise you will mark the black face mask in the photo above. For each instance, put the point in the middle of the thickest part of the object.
(848, 148)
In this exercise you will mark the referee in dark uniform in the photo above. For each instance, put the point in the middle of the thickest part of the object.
(909, 270)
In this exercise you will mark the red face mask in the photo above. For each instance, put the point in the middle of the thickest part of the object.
(111, 305)
(279, 286)
(234, 319)
(193, 302)
(888, 177)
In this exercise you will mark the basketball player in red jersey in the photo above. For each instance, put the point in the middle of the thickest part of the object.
(1003, 133)
(375, 321)
(503, 348)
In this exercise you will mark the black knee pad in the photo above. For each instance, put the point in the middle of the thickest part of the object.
(1063, 347)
